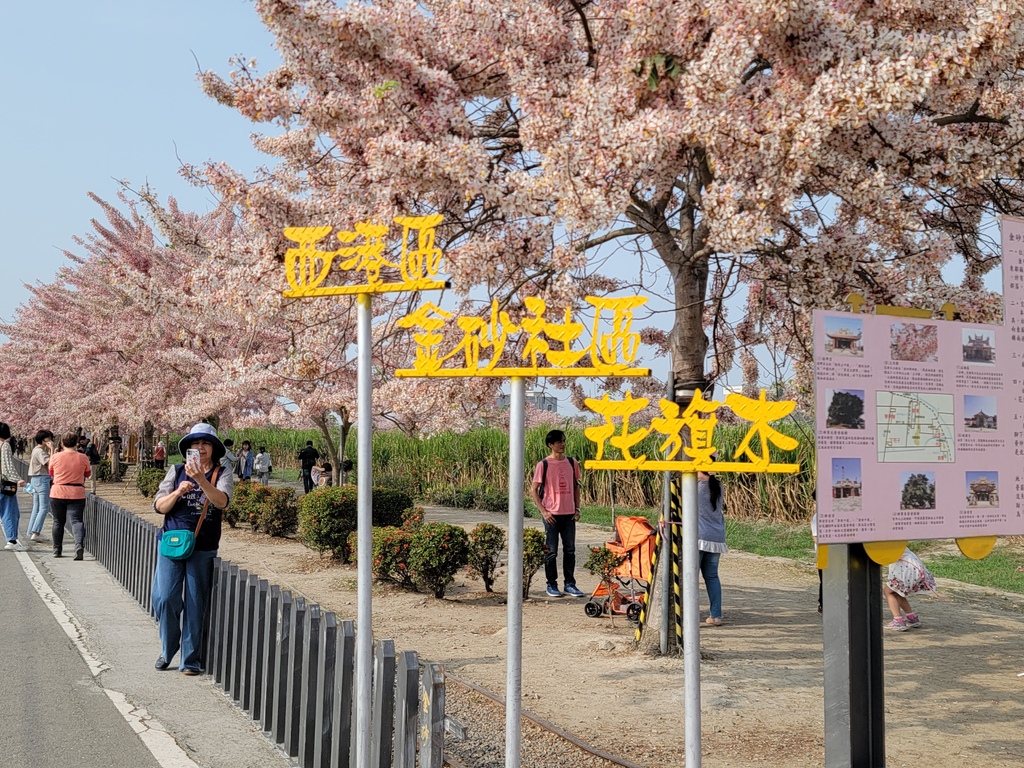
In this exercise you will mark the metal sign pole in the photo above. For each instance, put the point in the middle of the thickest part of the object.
(364, 560)
(691, 622)
(854, 674)
(514, 662)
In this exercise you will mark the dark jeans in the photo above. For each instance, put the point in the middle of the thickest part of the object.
(564, 527)
(61, 510)
(307, 480)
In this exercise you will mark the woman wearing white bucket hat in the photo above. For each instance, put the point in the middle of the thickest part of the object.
(181, 588)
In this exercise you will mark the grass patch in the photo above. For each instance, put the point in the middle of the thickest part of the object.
(770, 539)
(997, 571)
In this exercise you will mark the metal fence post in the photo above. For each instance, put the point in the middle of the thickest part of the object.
(271, 639)
(257, 651)
(307, 685)
(282, 661)
(432, 716)
(383, 704)
(294, 676)
(344, 671)
(406, 709)
(325, 701)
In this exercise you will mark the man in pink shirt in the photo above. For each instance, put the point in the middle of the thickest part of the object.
(556, 492)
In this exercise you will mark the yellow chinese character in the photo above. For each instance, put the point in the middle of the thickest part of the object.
(760, 412)
(431, 319)
(306, 267)
(534, 327)
(484, 334)
(565, 334)
(607, 347)
(617, 409)
(425, 259)
(702, 430)
(671, 426)
(370, 254)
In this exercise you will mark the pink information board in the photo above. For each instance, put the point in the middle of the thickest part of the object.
(920, 422)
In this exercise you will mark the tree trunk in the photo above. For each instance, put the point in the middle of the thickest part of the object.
(340, 476)
(146, 449)
(322, 423)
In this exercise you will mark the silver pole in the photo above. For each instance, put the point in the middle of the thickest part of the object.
(514, 662)
(691, 621)
(364, 518)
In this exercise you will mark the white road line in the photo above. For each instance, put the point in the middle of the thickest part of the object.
(158, 741)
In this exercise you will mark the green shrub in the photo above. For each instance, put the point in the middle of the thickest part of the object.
(389, 506)
(326, 518)
(328, 515)
(276, 512)
(271, 510)
(464, 498)
(412, 518)
(533, 556)
(486, 543)
(494, 501)
(391, 555)
(241, 499)
(437, 552)
(103, 471)
(148, 481)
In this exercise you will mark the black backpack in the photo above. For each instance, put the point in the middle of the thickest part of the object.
(544, 476)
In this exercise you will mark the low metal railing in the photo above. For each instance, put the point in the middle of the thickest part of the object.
(285, 661)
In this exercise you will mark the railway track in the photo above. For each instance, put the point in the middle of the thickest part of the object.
(544, 745)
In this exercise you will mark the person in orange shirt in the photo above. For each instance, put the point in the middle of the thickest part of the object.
(69, 470)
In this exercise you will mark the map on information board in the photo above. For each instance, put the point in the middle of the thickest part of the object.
(920, 420)
(915, 426)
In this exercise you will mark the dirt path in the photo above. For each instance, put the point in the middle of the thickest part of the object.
(953, 697)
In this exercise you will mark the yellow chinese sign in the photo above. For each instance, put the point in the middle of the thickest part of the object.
(548, 349)
(307, 268)
(700, 417)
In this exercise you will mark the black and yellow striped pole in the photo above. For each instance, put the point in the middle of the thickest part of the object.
(675, 537)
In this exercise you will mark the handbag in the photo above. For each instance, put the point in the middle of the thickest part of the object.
(179, 545)
(7, 488)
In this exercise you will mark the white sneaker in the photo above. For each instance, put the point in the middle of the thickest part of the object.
(12, 545)
(35, 537)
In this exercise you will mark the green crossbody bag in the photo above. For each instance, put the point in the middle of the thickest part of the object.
(179, 545)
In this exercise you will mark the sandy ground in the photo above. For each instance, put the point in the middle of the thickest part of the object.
(953, 697)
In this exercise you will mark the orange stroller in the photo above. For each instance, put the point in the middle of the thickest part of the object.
(636, 541)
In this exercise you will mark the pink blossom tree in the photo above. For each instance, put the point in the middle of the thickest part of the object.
(808, 149)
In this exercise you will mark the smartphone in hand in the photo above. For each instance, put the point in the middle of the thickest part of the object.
(192, 456)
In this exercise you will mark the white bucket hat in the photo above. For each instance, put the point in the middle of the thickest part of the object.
(203, 431)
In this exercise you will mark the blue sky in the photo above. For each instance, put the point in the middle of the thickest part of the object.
(106, 90)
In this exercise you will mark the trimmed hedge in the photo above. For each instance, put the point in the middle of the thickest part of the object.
(437, 552)
(272, 510)
(327, 517)
(148, 481)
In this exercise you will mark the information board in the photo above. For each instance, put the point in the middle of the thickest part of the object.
(920, 422)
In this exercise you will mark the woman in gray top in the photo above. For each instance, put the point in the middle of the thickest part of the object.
(711, 540)
(39, 480)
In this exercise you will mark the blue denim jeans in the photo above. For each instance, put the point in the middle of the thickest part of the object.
(181, 592)
(709, 570)
(40, 502)
(10, 515)
(564, 527)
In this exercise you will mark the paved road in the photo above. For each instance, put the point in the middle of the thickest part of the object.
(78, 687)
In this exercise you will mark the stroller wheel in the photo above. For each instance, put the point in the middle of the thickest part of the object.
(592, 609)
(633, 612)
